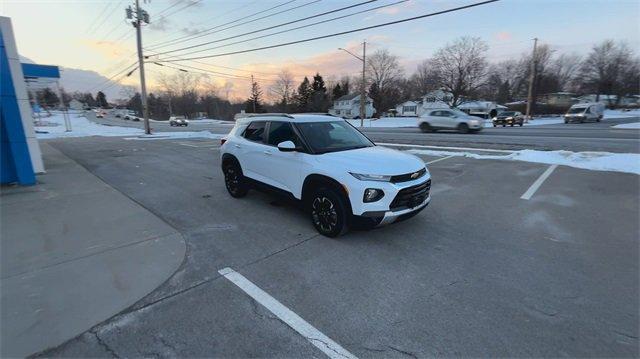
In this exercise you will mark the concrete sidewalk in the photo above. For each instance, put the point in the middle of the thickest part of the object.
(74, 252)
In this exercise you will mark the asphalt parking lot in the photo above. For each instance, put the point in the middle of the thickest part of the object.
(480, 272)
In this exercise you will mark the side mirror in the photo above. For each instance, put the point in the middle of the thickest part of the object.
(287, 146)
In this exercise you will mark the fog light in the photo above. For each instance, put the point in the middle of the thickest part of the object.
(372, 195)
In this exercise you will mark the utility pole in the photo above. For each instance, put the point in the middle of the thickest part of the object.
(141, 16)
(532, 78)
(363, 90)
(363, 86)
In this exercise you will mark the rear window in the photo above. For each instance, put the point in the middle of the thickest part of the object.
(255, 131)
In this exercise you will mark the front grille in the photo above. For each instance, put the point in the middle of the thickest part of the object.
(407, 176)
(411, 196)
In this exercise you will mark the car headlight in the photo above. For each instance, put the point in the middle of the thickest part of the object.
(370, 177)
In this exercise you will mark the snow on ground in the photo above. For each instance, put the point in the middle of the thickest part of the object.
(177, 135)
(621, 114)
(80, 127)
(596, 161)
(632, 125)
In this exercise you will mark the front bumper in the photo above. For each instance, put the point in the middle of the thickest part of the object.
(388, 217)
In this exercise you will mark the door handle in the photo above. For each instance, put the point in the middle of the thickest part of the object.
(237, 145)
(267, 153)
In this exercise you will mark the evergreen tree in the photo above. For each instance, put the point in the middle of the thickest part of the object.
(101, 99)
(254, 102)
(303, 97)
(336, 93)
(319, 99)
(48, 98)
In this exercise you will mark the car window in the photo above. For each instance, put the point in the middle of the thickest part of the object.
(436, 113)
(255, 131)
(446, 114)
(280, 132)
(323, 137)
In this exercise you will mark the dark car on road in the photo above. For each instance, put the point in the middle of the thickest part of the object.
(178, 121)
(510, 118)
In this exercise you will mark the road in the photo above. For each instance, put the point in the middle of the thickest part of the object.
(481, 272)
(572, 137)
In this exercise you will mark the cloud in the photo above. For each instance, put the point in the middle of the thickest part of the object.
(503, 36)
(109, 49)
(161, 24)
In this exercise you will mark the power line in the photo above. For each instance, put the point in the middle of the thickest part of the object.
(219, 66)
(197, 33)
(108, 16)
(112, 77)
(276, 26)
(177, 11)
(337, 33)
(93, 24)
(207, 72)
(295, 28)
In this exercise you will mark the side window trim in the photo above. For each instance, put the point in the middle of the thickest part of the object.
(265, 133)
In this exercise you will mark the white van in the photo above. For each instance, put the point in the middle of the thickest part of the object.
(582, 112)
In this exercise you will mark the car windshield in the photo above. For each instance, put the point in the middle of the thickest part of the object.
(507, 113)
(576, 110)
(332, 136)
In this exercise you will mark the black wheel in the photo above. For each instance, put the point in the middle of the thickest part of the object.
(463, 128)
(503, 125)
(511, 124)
(520, 124)
(494, 125)
(328, 212)
(234, 180)
(598, 119)
(425, 127)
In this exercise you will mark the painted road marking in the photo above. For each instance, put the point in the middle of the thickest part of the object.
(439, 159)
(534, 187)
(309, 332)
(444, 147)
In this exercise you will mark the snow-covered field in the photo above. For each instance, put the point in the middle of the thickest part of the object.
(596, 161)
(632, 126)
(81, 127)
(621, 114)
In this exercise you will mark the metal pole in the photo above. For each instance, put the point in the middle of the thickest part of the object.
(143, 85)
(531, 79)
(363, 90)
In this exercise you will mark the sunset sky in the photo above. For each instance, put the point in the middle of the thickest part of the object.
(93, 35)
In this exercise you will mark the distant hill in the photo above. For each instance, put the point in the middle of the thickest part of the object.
(83, 80)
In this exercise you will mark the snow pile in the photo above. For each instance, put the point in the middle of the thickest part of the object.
(80, 127)
(177, 135)
(632, 125)
(596, 161)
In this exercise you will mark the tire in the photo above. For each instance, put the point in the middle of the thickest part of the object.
(463, 128)
(511, 124)
(521, 124)
(328, 212)
(425, 127)
(234, 180)
(503, 125)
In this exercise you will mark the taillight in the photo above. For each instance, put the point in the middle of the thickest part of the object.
(222, 141)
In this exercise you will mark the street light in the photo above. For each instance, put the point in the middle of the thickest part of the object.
(362, 85)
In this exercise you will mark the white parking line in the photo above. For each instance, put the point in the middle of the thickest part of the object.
(313, 335)
(439, 159)
(534, 187)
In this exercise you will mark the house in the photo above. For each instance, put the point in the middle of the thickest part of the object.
(348, 106)
(76, 105)
(409, 108)
(564, 99)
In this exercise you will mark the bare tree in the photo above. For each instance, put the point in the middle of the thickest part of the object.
(461, 68)
(425, 79)
(383, 68)
(605, 67)
(283, 89)
(564, 69)
(127, 91)
(384, 73)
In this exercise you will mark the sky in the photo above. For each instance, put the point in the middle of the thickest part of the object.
(95, 36)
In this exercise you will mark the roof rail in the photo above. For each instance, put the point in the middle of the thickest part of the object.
(268, 115)
(315, 113)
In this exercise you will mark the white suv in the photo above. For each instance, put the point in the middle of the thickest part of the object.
(338, 173)
(449, 119)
